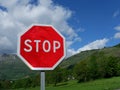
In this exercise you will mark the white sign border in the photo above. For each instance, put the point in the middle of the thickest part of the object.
(40, 68)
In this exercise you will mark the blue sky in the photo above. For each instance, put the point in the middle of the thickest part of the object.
(96, 17)
(86, 24)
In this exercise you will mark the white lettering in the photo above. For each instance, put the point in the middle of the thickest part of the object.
(46, 45)
(28, 45)
(46, 42)
(56, 45)
(37, 44)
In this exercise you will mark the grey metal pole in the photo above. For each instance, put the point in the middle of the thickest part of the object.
(42, 80)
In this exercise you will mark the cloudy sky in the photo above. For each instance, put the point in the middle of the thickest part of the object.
(86, 24)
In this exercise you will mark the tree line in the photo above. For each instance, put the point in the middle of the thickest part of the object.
(94, 67)
(52, 77)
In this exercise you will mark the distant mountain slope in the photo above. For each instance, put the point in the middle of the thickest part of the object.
(11, 67)
(110, 51)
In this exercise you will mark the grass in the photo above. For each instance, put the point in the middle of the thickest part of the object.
(102, 84)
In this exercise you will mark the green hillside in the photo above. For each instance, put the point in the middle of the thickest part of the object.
(107, 52)
(102, 84)
(11, 67)
(84, 67)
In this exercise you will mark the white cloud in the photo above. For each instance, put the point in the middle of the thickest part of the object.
(98, 44)
(116, 13)
(7, 4)
(5, 43)
(117, 35)
(70, 52)
(20, 14)
(69, 43)
(117, 28)
(81, 29)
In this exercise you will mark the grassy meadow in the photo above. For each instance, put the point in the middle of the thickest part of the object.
(101, 84)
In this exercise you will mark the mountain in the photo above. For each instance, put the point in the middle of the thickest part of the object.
(109, 51)
(118, 45)
(11, 67)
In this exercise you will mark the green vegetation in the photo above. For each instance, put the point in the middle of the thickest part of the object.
(84, 68)
(107, 52)
(52, 77)
(11, 68)
(10, 63)
(93, 68)
(102, 84)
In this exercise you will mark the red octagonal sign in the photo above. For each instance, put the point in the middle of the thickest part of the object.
(41, 47)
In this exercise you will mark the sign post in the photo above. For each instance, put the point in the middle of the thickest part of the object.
(41, 47)
(42, 80)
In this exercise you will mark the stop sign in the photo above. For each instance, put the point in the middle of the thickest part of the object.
(41, 47)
